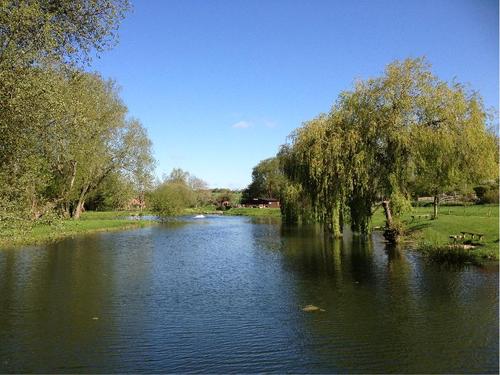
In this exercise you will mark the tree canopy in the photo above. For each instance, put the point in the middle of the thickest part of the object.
(267, 179)
(391, 136)
(64, 132)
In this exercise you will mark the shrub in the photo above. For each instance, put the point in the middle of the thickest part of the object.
(394, 233)
(448, 254)
(171, 198)
(491, 196)
(400, 204)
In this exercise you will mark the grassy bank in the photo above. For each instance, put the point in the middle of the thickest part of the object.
(90, 222)
(430, 236)
(433, 236)
(255, 212)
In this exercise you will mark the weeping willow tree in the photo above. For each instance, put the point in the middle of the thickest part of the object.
(389, 134)
(313, 164)
(455, 148)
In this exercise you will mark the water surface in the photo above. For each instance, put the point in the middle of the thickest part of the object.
(225, 294)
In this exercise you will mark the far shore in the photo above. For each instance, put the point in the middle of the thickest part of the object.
(432, 237)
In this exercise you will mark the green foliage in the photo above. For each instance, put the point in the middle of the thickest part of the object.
(63, 132)
(406, 132)
(487, 193)
(267, 180)
(395, 231)
(491, 196)
(47, 231)
(400, 204)
(114, 193)
(42, 31)
(292, 209)
(254, 212)
(178, 191)
(454, 219)
(449, 254)
(170, 198)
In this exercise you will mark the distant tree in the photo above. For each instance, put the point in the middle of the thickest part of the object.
(267, 180)
(114, 193)
(221, 196)
(178, 175)
(179, 190)
(200, 189)
(170, 198)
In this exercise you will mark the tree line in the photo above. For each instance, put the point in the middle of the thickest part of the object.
(406, 133)
(66, 138)
(181, 190)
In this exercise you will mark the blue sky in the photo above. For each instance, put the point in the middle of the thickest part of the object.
(220, 84)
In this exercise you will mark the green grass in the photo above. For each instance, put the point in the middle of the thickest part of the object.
(452, 220)
(427, 234)
(90, 222)
(200, 210)
(258, 212)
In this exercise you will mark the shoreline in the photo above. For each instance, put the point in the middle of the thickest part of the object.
(428, 237)
(40, 234)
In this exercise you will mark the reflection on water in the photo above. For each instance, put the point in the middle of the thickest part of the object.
(224, 294)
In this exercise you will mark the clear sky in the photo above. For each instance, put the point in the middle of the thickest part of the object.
(220, 84)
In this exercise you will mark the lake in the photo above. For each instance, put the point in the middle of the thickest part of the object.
(225, 294)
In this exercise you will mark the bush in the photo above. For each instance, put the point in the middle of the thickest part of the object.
(394, 233)
(171, 198)
(490, 196)
(448, 254)
(400, 204)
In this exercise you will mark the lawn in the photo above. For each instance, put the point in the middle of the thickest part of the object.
(90, 222)
(424, 232)
(260, 212)
(451, 221)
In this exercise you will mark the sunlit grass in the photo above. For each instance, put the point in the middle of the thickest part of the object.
(259, 212)
(90, 222)
(429, 233)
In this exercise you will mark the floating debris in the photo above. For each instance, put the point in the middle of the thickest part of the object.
(312, 308)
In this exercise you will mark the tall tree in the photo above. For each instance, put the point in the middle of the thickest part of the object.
(41, 44)
(267, 180)
(40, 31)
(387, 136)
(453, 149)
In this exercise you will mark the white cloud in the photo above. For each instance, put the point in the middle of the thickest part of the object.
(241, 125)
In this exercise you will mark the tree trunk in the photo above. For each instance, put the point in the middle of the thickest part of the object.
(436, 204)
(388, 214)
(333, 221)
(78, 210)
(392, 233)
(341, 217)
(79, 206)
(73, 174)
(66, 212)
